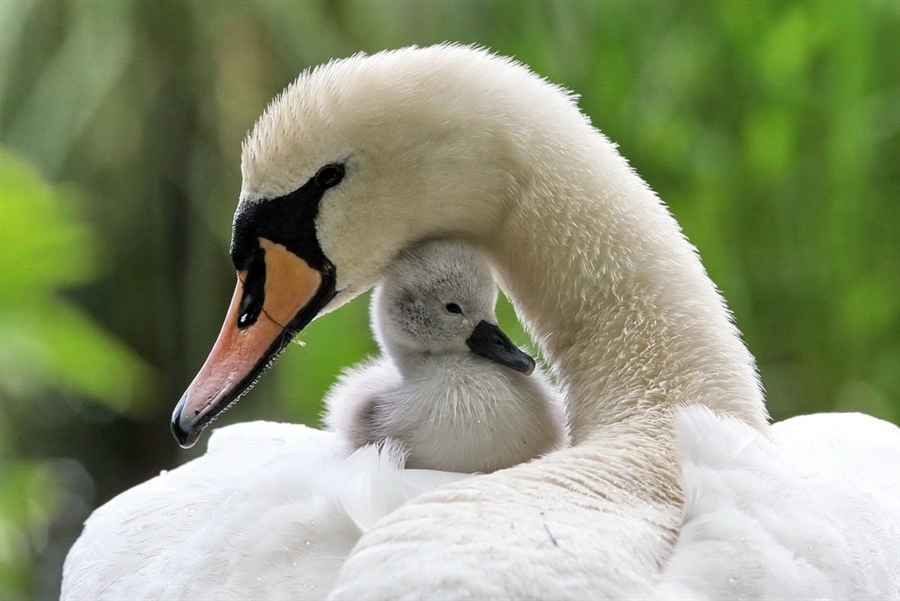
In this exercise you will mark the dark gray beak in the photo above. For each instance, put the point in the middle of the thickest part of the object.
(489, 341)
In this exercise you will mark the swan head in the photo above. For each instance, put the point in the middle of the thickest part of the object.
(438, 298)
(354, 162)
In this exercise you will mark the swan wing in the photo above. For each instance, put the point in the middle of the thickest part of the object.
(813, 513)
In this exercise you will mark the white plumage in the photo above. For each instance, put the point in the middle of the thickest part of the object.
(269, 512)
(675, 486)
(798, 517)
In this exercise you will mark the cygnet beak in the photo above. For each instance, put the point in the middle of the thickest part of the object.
(489, 341)
(275, 297)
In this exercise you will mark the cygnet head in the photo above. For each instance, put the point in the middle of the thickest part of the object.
(438, 297)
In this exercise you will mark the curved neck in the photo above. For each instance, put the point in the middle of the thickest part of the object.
(614, 293)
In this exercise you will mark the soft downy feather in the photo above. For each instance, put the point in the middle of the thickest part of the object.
(450, 407)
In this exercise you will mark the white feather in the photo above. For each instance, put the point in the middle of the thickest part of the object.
(813, 514)
(270, 511)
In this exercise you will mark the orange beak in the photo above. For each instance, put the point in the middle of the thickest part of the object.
(293, 293)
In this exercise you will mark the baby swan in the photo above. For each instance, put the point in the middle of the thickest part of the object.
(450, 386)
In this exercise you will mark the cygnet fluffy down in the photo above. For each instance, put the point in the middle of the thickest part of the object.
(450, 386)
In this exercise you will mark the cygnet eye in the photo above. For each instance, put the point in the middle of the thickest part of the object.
(453, 308)
(329, 176)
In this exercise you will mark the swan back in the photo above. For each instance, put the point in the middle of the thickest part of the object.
(271, 511)
(812, 514)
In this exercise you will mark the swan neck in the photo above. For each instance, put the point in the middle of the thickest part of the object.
(614, 293)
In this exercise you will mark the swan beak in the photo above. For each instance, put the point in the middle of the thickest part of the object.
(489, 341)
(275, 297)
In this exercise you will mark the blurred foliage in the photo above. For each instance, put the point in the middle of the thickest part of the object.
(30, 500)
(772, 129)
(46, 345)
(47, 342)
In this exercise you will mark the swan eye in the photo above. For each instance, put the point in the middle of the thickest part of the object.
(453, 308)
(329, 176)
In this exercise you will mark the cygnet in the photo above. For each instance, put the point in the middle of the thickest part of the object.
(450, 386)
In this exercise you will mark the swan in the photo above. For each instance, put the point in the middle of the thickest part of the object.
(674, 485)
(450, 386)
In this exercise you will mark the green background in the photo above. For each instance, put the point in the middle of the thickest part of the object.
(771, 129)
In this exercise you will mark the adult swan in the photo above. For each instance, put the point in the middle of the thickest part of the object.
(675, 484)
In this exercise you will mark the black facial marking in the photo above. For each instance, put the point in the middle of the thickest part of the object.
(289, 220)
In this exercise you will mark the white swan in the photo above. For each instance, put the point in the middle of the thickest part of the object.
(675, 485)
(450, 386)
